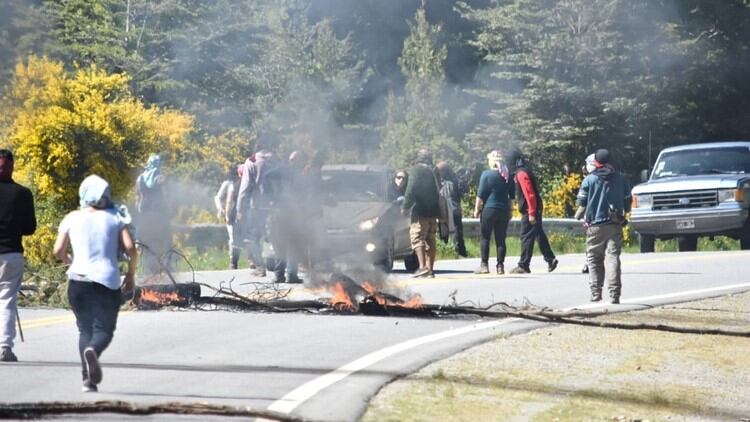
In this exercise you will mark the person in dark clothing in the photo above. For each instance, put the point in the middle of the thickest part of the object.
(17, 219)
(493, 208)
(288, 231)
(530, 205)
(421, 200)
(450, 182)
(603, 200)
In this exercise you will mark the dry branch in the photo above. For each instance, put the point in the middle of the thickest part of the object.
(36, 410)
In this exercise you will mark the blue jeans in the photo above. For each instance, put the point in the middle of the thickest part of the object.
(95, 307)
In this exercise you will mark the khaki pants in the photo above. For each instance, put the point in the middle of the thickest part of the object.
(422, 232)
(603, 248)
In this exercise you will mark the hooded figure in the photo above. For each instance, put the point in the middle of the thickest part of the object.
(604, 199)
(95, 192)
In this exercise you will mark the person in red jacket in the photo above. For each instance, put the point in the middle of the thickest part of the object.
(530, 205)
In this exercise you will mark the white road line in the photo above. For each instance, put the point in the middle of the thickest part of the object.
(299, 395)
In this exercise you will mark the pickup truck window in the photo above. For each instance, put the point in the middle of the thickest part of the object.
(732, 160)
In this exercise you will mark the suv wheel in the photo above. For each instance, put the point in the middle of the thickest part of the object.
(687, 243)
(411, 263)
(647, 243)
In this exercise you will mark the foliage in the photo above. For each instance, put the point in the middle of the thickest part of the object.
(65, 127)
(418, 119)
(560, 197)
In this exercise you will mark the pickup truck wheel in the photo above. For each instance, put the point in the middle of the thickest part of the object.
(647, 243)
(411, 263)
(687, 243)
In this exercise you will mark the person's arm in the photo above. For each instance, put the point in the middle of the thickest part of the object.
(28, 225)
(409, 199)
(245, 189)
(527, 189)
(61, 248)
(628, 195)
(582, 199)
(483, 192)
(219, 200)
(478, 205)
(128, 283)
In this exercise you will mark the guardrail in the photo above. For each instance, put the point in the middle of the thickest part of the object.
(210, 235)
(551, 225)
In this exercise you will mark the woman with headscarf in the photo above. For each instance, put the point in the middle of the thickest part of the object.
(154, 231)
(95, 233)
(493, 208)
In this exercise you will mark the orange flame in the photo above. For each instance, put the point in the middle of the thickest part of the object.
(341, 300)
(373, 292)
(414, 302)
(158, 298)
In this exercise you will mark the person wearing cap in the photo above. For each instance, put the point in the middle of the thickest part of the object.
(421, 201)
(493, 208)
(530, 205)
(17, 219)
(94, 233)
(603, 201)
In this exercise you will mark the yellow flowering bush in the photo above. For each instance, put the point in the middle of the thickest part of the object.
(560, 200)
(64, 127)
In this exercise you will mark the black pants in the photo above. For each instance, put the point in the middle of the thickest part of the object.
(95, 308)
(493, 219)
(459, 234)
(529, 233)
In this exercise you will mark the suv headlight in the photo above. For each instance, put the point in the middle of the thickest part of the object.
(643, 201)
(368, 224)
(730, 195)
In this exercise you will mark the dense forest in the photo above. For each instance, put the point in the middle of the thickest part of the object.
(87, 82)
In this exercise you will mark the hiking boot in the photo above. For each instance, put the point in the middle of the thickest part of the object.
(500, 269)
(483, 269)
(88, 387)
(551, 265)
(614, 300)
(7, 355)
(520, 270)
(422, 272)
(279, 278)
(92, 365)
(258, 272)
(294, 279)
(596, 297)
(585, 269)
(462, 252)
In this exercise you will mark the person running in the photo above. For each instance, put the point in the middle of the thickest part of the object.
(17, 219)
(493, 208)
(95, 232)
(530, 205)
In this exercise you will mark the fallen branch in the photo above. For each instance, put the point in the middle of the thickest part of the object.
(36, 410)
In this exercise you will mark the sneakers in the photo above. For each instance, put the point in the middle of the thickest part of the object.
(88, 387)
(92, 366)
(614, 300)
(258, 272)
(585, 269)
(279, 278)
(462, 252)
(483, 269)
(422, 272)
(520, 270)
(500, 269)
(596, 297)
(551, 265)
(7, 355)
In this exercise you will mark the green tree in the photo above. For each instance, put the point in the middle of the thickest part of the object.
(418, 119)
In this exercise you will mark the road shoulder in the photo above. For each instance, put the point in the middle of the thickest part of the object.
(579, 373)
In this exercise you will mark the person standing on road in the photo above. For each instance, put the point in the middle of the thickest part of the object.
(588, 168)
(154, 231)
(95, 233)
(493, 208)
(17, 219)
(449, 182)
(530, 205)
(421, 201)
(226, 210)
(603, 200)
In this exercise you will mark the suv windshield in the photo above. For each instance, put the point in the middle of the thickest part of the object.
(354, 185)
(730, 160)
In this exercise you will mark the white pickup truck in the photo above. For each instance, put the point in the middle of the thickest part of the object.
(695, 190)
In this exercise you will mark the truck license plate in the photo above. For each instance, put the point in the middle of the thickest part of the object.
(685, 224)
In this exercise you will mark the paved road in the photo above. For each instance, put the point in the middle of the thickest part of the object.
(325, 367)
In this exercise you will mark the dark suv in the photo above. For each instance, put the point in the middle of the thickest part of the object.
(362, 216)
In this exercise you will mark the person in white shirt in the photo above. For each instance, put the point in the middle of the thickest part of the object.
(95, 233)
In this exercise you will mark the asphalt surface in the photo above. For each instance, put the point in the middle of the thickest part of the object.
(325, 367)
